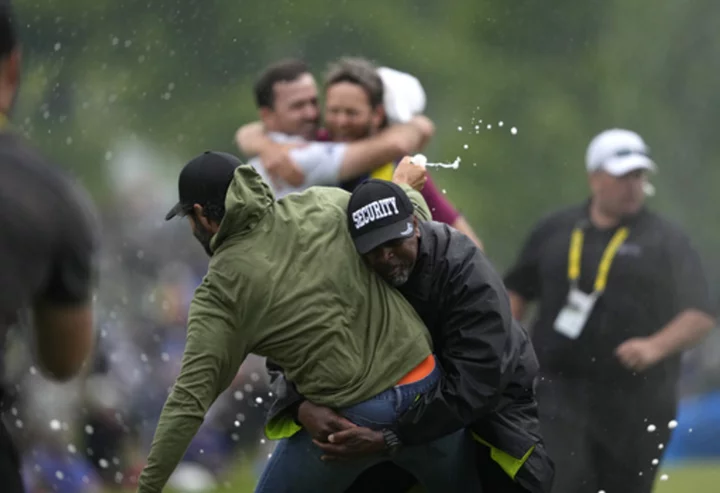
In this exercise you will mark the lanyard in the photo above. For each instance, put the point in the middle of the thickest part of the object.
(575, 254)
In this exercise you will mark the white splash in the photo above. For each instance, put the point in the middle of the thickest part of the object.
(664, 477)
(651, 428)
(514, 131)
(672, 424)
(655, 462)
(421, 160)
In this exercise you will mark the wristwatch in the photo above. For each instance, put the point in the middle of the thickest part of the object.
(392, 441)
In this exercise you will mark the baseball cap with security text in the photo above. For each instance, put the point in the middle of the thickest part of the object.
(379, 211)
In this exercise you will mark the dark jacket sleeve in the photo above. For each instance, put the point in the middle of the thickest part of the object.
(473, 344)
(287, 398)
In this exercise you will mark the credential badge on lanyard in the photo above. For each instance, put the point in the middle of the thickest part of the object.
(571, 320)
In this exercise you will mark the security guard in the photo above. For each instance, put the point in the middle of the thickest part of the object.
(620, 293)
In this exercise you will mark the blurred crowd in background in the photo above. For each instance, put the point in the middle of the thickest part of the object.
(96, 76)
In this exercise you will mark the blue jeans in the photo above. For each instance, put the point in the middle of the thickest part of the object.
(447, 464)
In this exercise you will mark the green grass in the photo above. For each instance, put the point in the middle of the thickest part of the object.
(697, 477)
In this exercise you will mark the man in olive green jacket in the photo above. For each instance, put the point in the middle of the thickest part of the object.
(283, 282)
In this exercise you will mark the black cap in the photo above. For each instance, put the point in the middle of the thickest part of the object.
(8, 34)
(203, 180)
(379, 211)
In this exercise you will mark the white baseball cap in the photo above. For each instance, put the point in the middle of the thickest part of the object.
(618, 152)
(404, 96)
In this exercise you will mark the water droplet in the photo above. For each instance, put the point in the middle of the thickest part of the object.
(690, 430)
(262, 441)
(55, 424)
(59, 475)
(118, 477)
(202, 451)
(238, 395)
(259, 400)
(237, 424)
(235, 437)
(489, 126)
(33, 370)
(254, 377)
(248, 387)
(664, 477)
(165, 357)
(444, 191)
(115, 41)
(108, 156)
(672, 424)
(68, 141)
(71, 448)
(89, 429)
(86, 480)
(655, 462)
(128, 42)
(513, 131)
(500, 124)
(269, 455)
(18, 424)
(465, 146)
(459, 129)
(601, 491)
(57, 46)
(144, 358)
(651, 428)
(103, 463)
(661, 446)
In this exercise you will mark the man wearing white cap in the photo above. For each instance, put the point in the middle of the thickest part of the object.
(621, 294)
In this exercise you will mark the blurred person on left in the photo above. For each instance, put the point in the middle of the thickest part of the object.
(47, 246)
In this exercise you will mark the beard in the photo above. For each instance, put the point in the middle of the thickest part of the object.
(203, 236)
(399, 274)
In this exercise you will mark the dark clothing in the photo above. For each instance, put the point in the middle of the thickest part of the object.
(46, 245)
(488, 362)
(656, 274)
(598, 437)
(594, 411)
(9, 463)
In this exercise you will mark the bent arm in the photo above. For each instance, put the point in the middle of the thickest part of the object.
(473, 343)
(213, 353)
(399, 140)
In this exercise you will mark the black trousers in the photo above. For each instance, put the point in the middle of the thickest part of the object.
(599, 438)
(10, 478)
(386, 477)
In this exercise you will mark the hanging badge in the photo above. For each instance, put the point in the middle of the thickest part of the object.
(571, 320)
